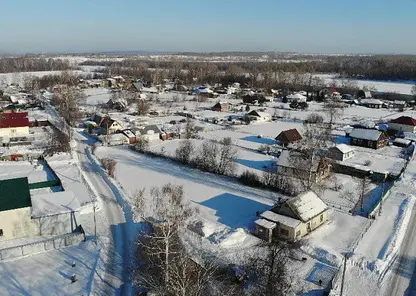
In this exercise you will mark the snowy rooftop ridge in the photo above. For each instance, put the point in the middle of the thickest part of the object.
(307, 205)
(265, 223)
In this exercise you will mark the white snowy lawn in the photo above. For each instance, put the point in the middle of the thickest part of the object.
(223, 203)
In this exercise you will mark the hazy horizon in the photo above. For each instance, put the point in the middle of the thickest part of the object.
(79, 26)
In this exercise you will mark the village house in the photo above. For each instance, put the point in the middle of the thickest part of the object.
(403, 124)
(23, 215)
(130, 135)
(221, 107)
(259, 116)
(299, 165)
(115, 139)
(14, 125)
(372, 103)
(109, 126)
(150, 132)
(341, 152)
(292, 219)
(288, 137)
(369, 138)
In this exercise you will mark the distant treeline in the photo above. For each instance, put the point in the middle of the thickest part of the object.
(361, 67)
(31, 64)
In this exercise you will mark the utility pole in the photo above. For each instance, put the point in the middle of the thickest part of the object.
(382, 194)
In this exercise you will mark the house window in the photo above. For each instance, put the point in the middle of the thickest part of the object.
(298, 233)
(13, 130)
(284, 232)
(1, 232)
(370, 143)
(321, 218)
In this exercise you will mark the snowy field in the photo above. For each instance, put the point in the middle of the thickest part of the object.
(97, 96)
(224, 205)
(50, 273)
(19, 77)
(245, 159)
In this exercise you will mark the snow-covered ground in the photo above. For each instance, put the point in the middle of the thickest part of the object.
(50, 273)
(97, 96)
(245, 159)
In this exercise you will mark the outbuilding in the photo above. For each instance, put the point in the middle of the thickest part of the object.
(288, 137)
(341, 152)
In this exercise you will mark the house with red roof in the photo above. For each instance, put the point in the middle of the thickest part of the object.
(15, 124)
(403, 124)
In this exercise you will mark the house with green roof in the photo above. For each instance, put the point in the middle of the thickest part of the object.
(15, 209)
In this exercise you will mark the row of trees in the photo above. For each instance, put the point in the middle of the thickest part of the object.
(166, 266)
(27, 64)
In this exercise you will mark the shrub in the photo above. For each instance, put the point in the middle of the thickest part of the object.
(250, 179)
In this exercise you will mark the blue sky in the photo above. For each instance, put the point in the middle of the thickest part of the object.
(359, 26)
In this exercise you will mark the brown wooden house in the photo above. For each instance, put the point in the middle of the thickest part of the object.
(289, 136)
(369, 138)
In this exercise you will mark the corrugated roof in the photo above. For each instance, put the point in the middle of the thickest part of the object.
(365, 134)
(54, 203)
(14, 194)
(288, 221)
(307, 205)
(14, 119)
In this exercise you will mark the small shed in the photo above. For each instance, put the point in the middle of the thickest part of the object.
(264, 229)
(221, 107)
(130, 135)
(256, 115)
(341, 152)
(402, 142)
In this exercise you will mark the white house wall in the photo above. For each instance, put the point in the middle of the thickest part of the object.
(17, 223)
(402, 127)
(14, 131)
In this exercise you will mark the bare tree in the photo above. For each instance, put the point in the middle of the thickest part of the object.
(362, 188)
(333, 110)
(142, 144)
(143, 107)
(67, 100)
(207, 156)
(268, 271)
(109, 165)
(184, 151)
(314, 118)
(165, 268)
(227, 153)
(190, 129)
(59, 142)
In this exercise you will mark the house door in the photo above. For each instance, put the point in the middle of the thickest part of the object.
(308, 227)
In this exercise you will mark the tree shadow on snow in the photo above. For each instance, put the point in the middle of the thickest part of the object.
(255, 139)
(233, 210)
(255, 164)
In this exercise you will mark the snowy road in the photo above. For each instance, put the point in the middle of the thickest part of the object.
(404, 268)
(117, 277)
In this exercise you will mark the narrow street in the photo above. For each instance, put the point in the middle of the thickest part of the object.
(403, 281)
(117, 275)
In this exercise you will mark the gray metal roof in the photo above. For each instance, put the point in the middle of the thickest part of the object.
(365, 134)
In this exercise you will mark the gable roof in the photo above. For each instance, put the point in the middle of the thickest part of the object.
(291, 135)
(366, 134)
(150, 128)
(307, 206)
(404, 120)
(343, 148)
(14, 194)
(106, 122)
(371, 102)
(258, 113)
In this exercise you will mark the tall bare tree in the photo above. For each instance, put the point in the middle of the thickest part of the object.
(227, 153)
(185, 151)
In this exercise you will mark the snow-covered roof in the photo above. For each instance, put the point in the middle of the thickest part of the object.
(365, 134)
(259, 113)
(287, 221)
(371, 102)
(296, 96)
(54, 203)
(266, 224)
(307, 205)
(402, 141)
(129, 133)
(344, 148)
